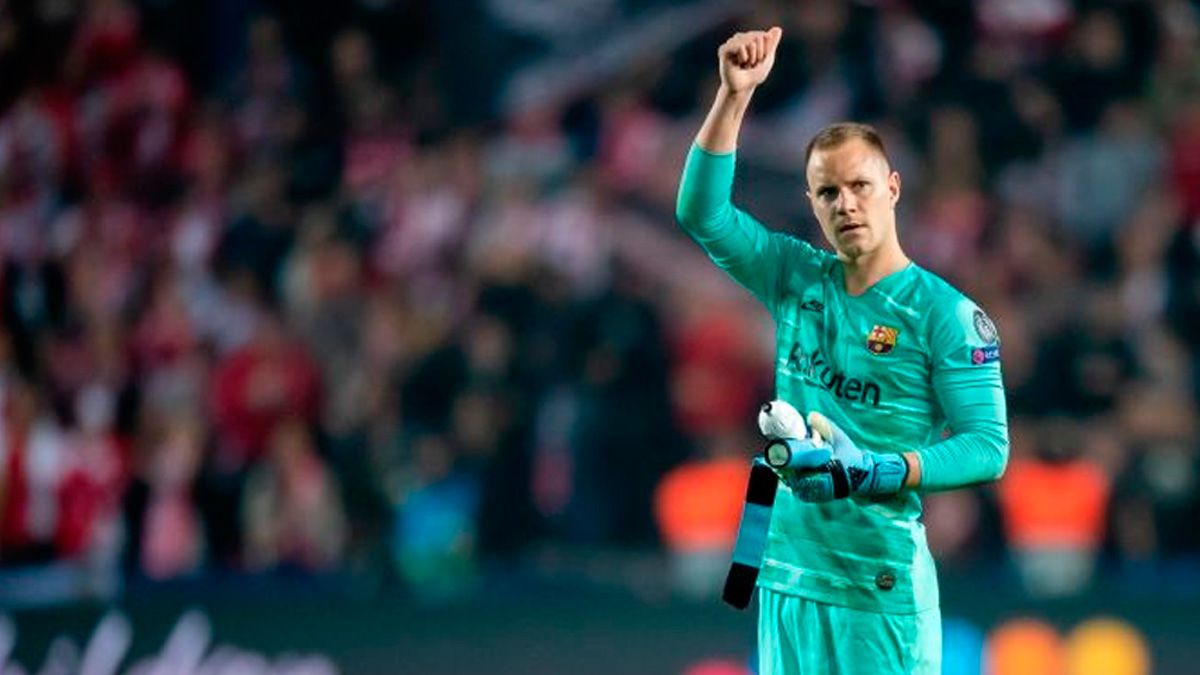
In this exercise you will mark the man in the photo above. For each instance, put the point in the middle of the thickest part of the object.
(889, 357)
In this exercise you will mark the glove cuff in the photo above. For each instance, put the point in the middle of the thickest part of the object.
(890, 472)
(884, 476)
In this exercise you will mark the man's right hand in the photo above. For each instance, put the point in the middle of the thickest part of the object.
(746, 59)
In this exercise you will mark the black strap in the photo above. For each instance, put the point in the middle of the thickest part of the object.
(752, 536)
(841, 484)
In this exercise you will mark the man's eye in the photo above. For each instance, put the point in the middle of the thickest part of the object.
(827, 193)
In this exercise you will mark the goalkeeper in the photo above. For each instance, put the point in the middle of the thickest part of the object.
(889, 354)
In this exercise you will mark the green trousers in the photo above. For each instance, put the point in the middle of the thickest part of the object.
(802, 637)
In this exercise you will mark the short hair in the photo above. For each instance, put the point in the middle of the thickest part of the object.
(839, 132)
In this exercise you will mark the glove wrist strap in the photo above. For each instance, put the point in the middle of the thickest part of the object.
(885, 477)
(841, 483)
(889, 475)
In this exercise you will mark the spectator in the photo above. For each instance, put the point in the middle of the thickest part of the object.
(1054, 509)
(253, 389)
(166, 538)
(256, 387)
(433, 543)
(292, 506)
(34, 458)
(94, 480)
(697, 507)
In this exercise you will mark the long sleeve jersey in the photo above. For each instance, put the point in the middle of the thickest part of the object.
(912, 364)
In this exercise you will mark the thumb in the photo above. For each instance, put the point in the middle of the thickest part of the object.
(827, 429)
(774, 35)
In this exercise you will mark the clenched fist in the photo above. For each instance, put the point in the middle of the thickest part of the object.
(746, 59)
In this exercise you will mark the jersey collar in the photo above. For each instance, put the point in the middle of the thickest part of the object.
(887, 285)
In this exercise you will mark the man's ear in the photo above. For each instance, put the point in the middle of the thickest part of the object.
(894, 186)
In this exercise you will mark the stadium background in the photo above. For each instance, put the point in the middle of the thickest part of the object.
(362, 333)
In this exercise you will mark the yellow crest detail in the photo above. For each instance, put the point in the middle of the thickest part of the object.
(881, 339)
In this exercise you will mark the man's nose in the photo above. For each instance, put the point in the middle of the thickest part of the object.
(846, 201)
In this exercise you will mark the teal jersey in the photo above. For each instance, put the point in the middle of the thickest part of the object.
(910, 365)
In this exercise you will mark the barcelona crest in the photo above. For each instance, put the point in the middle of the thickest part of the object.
(881, 339)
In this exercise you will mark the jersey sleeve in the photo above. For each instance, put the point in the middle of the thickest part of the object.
(756, 257)
(967, 382)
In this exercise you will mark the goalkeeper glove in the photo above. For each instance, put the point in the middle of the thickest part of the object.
(823, 472)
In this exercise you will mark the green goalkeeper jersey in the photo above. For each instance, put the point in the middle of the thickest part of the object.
(910, 365)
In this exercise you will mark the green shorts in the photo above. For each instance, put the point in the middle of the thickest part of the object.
(797, 636)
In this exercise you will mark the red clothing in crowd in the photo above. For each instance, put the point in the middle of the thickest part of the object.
(717, 380)
(89, 495)
(14, 531)
(1184, 165)
(253, 389)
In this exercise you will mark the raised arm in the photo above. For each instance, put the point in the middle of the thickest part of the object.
(754, 256)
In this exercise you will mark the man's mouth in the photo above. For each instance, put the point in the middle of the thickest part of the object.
(849, 227)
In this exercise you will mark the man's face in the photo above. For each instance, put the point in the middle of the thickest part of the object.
(853, 193)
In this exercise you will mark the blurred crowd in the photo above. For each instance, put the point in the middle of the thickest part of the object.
(295, 286)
